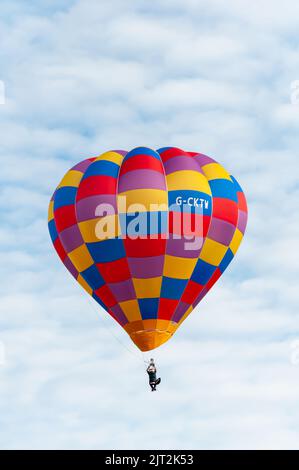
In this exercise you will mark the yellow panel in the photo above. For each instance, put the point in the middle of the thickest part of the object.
(147, 288)
(163, 325)
(100, 228)
(111, 157)
(71, 178)
(131, 310)
(51, 211)
(180, 268)
(215, 171)
(146, 199)
(188, 179)
(212, 252)
(172, 327)
(236, 240)
(84, 284)
(81, 258)
(148, 337)
(133, 326)
(149, 324)
(150, 334)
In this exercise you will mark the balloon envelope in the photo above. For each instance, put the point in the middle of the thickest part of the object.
(147, 234)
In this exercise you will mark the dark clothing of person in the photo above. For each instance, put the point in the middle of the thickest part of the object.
(152, 374)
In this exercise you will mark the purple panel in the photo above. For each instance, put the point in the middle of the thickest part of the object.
(119, 314)
(242, 221)
(183, 247)
(203, 159)
(141, 179)
(123, 290)
(180, 311)
(221, 231)
(121, 152)
(82, 166)
(86, 208)
(146, 267)
(71, 238)
(70, 267)
(200, 297)
(181, 163)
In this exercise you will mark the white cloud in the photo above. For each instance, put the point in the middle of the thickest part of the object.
(213, 77)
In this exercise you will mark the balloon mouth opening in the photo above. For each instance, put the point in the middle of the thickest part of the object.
(149, 339)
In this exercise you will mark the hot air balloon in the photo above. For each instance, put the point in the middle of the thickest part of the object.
(147, 233)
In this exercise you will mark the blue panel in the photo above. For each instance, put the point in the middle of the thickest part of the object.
(148, 308)
(224, 189)
(236, 184)
(202, 272)
(107, 251)
(142, 151)
(188, 200)
(93, 278)
(172, 288)
(102, 167)
(52, 230)
(65, 196)
(226, 260)
(99, 301)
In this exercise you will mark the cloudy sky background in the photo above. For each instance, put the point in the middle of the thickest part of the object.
(84, 77)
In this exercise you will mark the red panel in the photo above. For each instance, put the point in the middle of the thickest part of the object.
(242, 202)
(140, 248)
(192, 290)
(180, 223)
(215, 276)
(167, 308)
(65, 217)
(106, 296)
(175, 222)
(139, 162)
(206, 224)
(173, 152)
(225, 209)
(94, 185)
(60, 250)
(115, 318)
(115, 271)
(193, 154)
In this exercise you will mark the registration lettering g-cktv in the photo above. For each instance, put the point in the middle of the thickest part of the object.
(192, 202)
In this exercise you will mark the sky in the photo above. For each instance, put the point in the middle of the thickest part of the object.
(81, 78)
